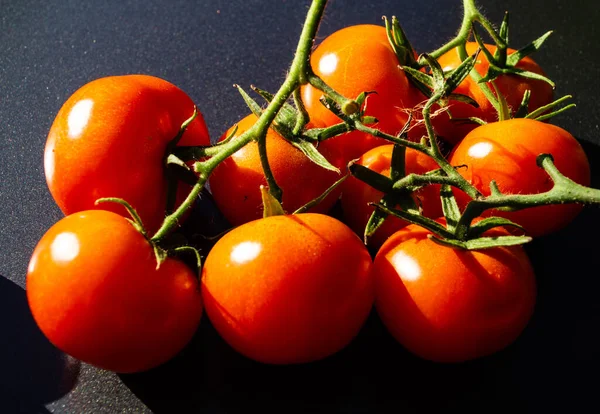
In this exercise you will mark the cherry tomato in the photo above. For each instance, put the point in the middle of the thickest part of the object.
(506, 152)
(360, 59)
(356, 194)
(109, 140)
(452, 305)
(94, 290)
(288, 289)
(512, 87)
(235, 183)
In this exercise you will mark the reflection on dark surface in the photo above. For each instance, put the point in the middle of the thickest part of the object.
(551, 365)
(32, 371)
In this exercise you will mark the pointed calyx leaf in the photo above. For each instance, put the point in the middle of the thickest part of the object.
(449, 207)
(400, 43)
(321, 197)
(374, 179)
(252, 104)
(502, 63)
(313, 154)
(135, 220)
(523, 109)
(160, 254)
(482, 242)
(378, 217)
(542, 114)
(186, 250)
(271, 206)
(440, 83)
(480, 227)
(179, 170)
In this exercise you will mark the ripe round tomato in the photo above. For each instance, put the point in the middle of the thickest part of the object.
(109, 140)
(356, 194)
(360, 59)
(94, 290)
(512, 87)
(235, 183)
(452, 305)
(288, 289)
(506, 152)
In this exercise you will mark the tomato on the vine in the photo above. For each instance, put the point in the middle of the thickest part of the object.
(288, 289)
(506, 152)
(511, 86)
(235, 183)
(109, 140)
(360, 59)
(356, 194)
(95, 292)
(452, 305)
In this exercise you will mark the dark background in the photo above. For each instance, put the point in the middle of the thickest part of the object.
(48, 49)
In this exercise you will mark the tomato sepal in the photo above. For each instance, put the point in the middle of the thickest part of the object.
(481, 243)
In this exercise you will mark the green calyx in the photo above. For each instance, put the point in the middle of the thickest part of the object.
(164, 248)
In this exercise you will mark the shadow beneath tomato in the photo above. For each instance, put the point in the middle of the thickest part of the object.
(547, 368)
(33, 372)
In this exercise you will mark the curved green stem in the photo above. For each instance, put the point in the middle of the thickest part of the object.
(471, 15)
(564, 190)
(298, 74)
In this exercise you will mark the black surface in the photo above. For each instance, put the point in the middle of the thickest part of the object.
(48, 49)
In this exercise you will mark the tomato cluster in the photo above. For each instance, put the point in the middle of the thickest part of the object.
(294, 288)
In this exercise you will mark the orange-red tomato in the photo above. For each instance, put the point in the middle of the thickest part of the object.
(506, 152)
(235, 183)
(288, 289)
(512, 87)
(109, 140)
(360, 59)
(356, 194)
(94, 291)
(452, 305)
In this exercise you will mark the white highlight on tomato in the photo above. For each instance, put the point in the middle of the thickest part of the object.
(246, 251)
(79, 117)
(406, 266)
(49, 162)
(480, 150)
(65, 247)
(328, 63)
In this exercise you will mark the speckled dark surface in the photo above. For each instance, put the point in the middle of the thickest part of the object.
(50, 48)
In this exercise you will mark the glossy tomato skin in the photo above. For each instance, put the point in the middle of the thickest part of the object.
(356, 194)
(360, 59)
(94, 291)
(288, 289)
(506, 152)
(109, 140)
(452, 305)
(235, 183)
(512, 87)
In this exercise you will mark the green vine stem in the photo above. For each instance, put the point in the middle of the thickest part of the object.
(300, 73)
(564, 190)
(470, 16)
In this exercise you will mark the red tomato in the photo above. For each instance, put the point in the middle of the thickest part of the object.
(288, 289)
(109, 140)
(94, 290)
(360, 59)
(506, 152)
(356, 194)
(512, 87)
(452, 305)
(235, 183)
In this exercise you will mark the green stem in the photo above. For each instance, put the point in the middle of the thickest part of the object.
(564, 190)
(471, 15)
(297, 75)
